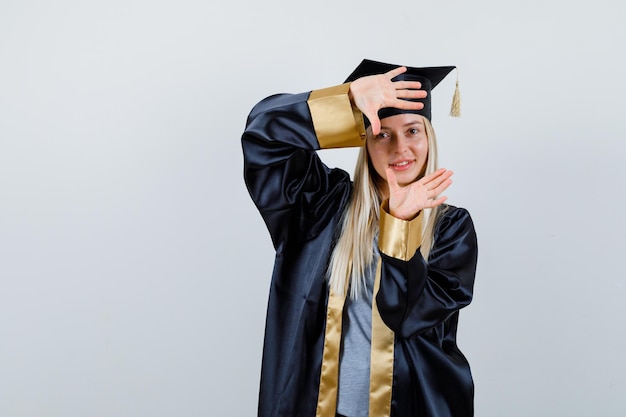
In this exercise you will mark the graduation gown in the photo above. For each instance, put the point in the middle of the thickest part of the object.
(417, 368)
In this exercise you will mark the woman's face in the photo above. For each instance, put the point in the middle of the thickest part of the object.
(401, 145)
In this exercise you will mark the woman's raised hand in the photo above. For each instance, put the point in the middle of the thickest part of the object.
(405, 202)
(375, 92)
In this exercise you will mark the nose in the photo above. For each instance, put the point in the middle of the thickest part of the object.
(401, 144)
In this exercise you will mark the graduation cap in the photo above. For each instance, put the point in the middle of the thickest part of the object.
(428, 76)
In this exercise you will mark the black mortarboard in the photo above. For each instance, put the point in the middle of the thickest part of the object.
(428, 76)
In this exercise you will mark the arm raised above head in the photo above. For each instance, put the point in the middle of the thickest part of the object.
(292, 188)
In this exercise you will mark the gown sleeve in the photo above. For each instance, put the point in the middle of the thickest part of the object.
(416, 295)
(291, 187)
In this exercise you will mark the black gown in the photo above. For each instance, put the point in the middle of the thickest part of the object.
(301, 201)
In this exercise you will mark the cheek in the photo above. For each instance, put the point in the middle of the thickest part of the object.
(378, 160)
(421, 149)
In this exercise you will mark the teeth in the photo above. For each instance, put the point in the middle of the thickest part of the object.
(399, 164)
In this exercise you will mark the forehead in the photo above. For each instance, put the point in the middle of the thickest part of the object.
(402, 119)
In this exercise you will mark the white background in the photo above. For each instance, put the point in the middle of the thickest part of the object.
(134, 268)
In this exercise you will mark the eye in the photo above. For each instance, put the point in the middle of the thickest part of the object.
(383, 136)
(414, 131)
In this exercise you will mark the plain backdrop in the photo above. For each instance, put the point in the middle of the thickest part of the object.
(134, 268)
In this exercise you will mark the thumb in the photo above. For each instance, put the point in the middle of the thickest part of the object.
(392, 181)
(374, 123)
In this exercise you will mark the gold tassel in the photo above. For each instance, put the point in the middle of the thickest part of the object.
(455, 109)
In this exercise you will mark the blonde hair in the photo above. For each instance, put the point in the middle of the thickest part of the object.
(354, 251)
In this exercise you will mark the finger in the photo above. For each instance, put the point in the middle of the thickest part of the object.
(395, 72)
(407, 85)
(374, 123)
(411, 93)
(428, 178)
(440, 188)
(438, 179)
(407, 105)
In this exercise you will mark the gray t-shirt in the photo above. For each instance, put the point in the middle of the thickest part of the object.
(354, 362)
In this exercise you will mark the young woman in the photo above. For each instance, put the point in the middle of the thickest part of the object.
(369, 275)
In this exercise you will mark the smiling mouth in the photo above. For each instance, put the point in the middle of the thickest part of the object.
(401, 164)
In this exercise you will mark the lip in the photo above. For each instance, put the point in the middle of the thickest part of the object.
(402, 165)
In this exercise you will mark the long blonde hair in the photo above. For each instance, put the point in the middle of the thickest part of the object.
(354, 251)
